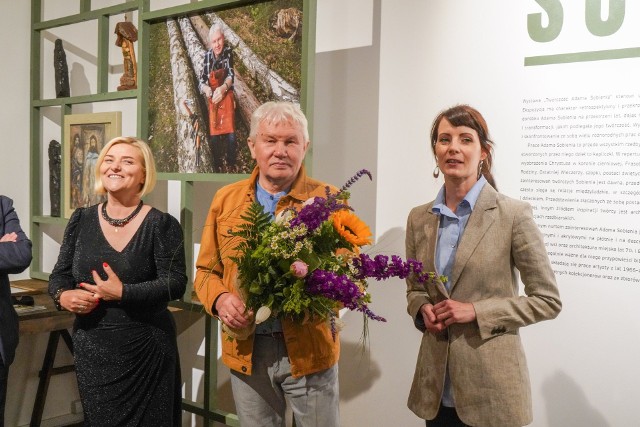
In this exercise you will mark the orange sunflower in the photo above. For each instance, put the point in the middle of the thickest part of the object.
(352, 228)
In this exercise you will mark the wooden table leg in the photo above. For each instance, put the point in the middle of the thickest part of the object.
(47, 371)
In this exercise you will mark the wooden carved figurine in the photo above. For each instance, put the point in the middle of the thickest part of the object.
(61, 70)
(54, 176)
(127, 35)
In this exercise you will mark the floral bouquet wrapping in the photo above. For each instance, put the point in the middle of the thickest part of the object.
(308, 263)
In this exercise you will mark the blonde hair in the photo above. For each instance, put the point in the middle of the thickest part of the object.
(149, 165)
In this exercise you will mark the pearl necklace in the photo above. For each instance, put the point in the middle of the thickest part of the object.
(122, 221)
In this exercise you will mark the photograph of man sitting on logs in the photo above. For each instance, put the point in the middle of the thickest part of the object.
(209, 71)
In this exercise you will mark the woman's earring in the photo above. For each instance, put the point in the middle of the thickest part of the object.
(436, 172)
(480, 168)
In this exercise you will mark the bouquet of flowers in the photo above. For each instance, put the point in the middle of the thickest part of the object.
(308, 263)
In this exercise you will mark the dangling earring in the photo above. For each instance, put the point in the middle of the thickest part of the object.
(480, 168)
(436, 172)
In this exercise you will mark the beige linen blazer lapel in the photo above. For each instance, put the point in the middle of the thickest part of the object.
(432, 224)
(481, 218)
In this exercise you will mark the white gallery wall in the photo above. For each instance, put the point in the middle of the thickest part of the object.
(383, 70)
(582, 364)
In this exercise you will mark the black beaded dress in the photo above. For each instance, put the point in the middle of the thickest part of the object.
(126, 352)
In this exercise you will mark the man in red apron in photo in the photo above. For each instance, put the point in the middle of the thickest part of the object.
(216, 84)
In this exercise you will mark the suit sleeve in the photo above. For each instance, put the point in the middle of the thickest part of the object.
(541, 301)
(15, 257)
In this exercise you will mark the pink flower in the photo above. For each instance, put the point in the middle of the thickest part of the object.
(299, 269)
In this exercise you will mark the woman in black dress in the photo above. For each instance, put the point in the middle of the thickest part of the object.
(120, 263)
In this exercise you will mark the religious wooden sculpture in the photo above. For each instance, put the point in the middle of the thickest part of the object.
(61, 70)
(54, 176)
(127, 35)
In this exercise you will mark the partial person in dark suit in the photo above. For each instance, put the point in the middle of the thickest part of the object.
(15, 257)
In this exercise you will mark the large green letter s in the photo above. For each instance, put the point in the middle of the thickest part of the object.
(555, 12)
(596, 25)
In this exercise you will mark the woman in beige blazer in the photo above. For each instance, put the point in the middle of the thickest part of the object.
(471, 368)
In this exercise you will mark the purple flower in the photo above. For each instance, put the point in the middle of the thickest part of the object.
(315, 212)
(380, 268)
(341, 289)
(335, 287)
(355, 179)
(312, 215)
(299, 269)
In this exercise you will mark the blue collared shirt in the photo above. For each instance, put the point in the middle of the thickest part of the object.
(452, 226)
(269, 203)
(450, 231)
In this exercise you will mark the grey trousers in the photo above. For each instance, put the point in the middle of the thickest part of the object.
(261, 398)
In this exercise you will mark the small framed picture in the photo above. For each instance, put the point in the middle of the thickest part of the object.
(84, 137)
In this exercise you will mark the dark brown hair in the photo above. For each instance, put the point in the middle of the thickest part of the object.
(464, 115)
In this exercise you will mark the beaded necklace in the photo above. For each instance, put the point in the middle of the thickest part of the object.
(122, 221)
